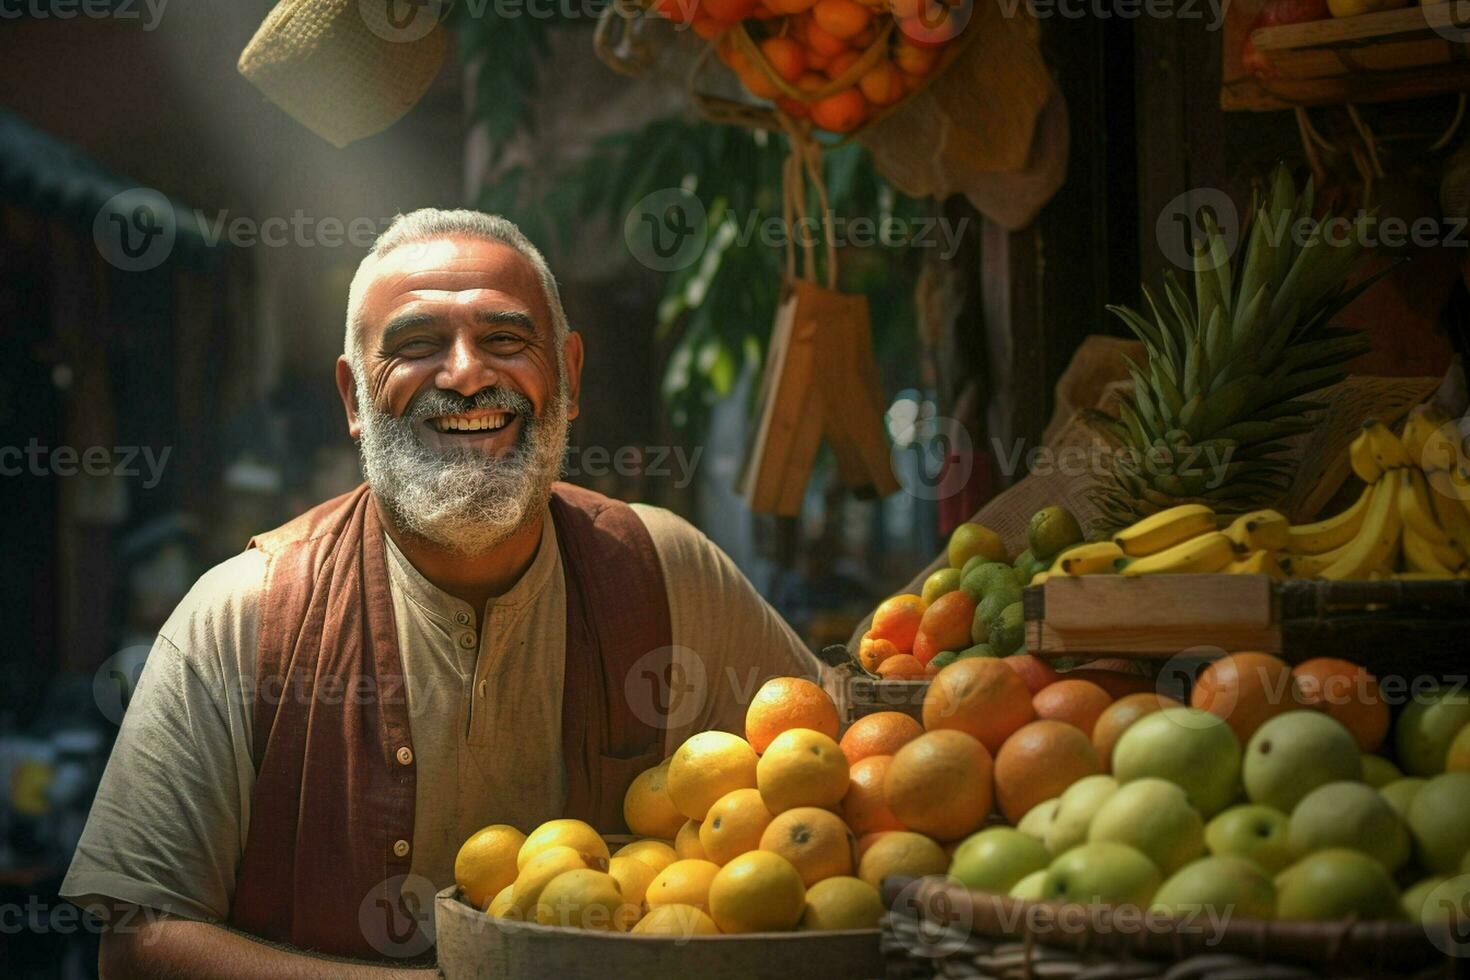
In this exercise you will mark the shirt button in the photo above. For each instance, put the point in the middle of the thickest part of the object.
(405, 755)
(462, 618)
(400, 848)
(467, 640)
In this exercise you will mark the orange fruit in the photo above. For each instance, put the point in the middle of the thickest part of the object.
(786, 56)
(816, 842)
(1347, 692)
(1116, 718)
(1076, 702)
(925, 649)
(802, 768)
(1118, 683)
(913, 60)
(948, 618)
(842, 903)
(934, 26)
(871, 650)
(682, 883)
(707, 27)
(656, 854)
(980, 696)
(633, 877)
(734, 825)
(757, 892)
(904, 667)
(486, 862)
(868, 840)
(1037, 673)
(881, 733)
(687, 845)
(840, 62)
(1245, 689)
(789, 6)
(901, 852)
(865, 808)
(727, 11)
(756, 82)
(841, 18)
(784, 703)
(1039, 762)
(706, 767)
(647, 808)
(882, 84)
(676, 920)
(823, 41)
(897, 619)
(940, 784)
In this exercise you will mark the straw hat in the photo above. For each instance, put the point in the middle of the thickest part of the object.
(346, 69)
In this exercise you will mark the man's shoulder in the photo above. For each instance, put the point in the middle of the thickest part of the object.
(222, 606)
(674, 538)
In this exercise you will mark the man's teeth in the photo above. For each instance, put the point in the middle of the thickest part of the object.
(490, 424)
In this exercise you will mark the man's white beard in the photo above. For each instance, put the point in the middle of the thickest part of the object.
(464, 500)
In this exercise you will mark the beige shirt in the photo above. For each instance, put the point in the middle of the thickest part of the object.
(169, 823)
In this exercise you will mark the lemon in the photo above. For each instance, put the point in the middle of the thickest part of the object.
(657, 854)
(687, 844)
(633, 877)
(676, 920)
(757, 892)
(969, 540)
(706, 767)
(582, 899)
(842, 902)
(942, 581)
(682, 883)
(537, 874)
(802, 768)
(575, 834)
(501, 902)
(902, 852)
(1052, 529)
(487, 862)
(647, 808)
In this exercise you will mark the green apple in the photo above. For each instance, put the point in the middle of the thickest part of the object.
(1077, 806)
(1294, 753)
(1029, 887)
(979, 579)
(1427, 726)
(1352, 815)
(1222, 886)
(1101, 873)
(1378, 771)
(1401, 792)
(1449, 901)
(1415, 896)
(1037, 820)
(1334, 884)
(1154, 816)
(1439, 820)
(994, 859)
(1193, 749)
(1260, 834)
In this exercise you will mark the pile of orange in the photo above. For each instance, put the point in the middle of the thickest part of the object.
(809, 44)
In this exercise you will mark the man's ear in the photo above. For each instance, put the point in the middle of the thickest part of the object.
(572, 352)
(347, 388)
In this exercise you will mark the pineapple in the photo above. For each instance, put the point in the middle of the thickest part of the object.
(1229, 372)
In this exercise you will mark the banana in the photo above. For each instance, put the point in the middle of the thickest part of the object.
(1087, 559)
(1164, 530)
(1258, 530)
(1416, 510)
(1426, 557)
(1040, 578)
(1387, 451)
(1261, 562)
(1203, 553)
(1450, 515)
(1377, 540)
(1419, 428)
(1360, 455)
(1324, 535)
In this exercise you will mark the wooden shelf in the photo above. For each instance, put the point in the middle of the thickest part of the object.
(1388, 56)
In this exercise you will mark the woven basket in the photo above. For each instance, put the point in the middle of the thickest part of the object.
(935, 928)
(346, 69)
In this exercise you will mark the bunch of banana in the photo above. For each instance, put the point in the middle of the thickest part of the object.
(1412, 520)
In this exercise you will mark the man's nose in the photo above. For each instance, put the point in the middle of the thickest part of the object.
(466, 369)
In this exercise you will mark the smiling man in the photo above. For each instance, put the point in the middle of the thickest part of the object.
(460, 641)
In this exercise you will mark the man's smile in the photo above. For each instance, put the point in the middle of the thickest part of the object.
(485, 420)
(486, 429)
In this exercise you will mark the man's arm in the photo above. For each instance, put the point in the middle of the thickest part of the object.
(180, 949)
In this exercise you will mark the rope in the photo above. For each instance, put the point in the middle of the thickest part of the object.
(1444, 140)
(1304, 130)
(805, 164)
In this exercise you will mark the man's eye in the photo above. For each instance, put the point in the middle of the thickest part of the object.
(420, 345)
(507, 342)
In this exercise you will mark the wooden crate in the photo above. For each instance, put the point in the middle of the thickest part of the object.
(857, 693)
(1409, 53)
(1159, 616)
(473, 946)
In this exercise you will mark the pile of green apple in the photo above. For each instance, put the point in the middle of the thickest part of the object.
(1295, 824)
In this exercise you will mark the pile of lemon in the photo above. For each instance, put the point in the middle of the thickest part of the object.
(736, 835)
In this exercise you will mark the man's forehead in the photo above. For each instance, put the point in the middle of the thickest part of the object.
(433, 268)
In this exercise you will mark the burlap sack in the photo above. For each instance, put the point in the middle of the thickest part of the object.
(346, 69)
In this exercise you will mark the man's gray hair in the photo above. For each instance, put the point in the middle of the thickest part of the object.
(427, 224)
